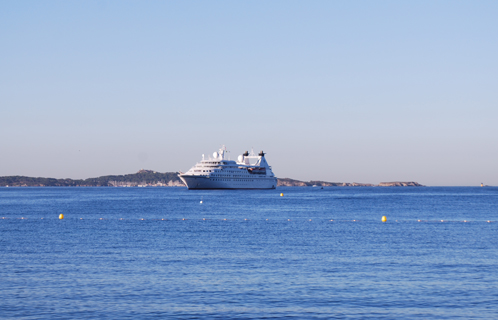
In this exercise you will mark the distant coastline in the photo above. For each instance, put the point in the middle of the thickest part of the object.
(149, 178)
(286, 182)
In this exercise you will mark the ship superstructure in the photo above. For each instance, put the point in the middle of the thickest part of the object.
(250, 171)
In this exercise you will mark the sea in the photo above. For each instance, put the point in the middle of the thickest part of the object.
(288, 253)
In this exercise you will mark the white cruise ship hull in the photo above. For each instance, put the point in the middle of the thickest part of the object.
(219, 172)
(204, 182)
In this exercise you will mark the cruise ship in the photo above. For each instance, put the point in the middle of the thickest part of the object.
(250, 171)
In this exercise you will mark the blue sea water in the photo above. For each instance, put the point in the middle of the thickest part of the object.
(157, 253)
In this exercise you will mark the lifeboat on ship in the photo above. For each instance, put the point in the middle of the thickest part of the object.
(257, 170)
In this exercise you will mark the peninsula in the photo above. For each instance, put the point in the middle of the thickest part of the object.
(296, 183)
(149, 178)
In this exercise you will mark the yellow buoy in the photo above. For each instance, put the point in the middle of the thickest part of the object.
(384, 219)
(61, 216)
(281, 194)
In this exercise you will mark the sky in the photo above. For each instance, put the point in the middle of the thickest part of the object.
(339, 91)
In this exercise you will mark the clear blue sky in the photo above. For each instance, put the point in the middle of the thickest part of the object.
(343, 91)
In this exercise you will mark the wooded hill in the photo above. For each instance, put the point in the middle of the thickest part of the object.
(169, 179)
(141, 178)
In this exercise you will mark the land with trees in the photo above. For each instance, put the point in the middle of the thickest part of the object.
(149, 178)
(141, 178)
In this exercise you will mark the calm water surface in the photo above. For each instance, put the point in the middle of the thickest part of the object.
(146, 253)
